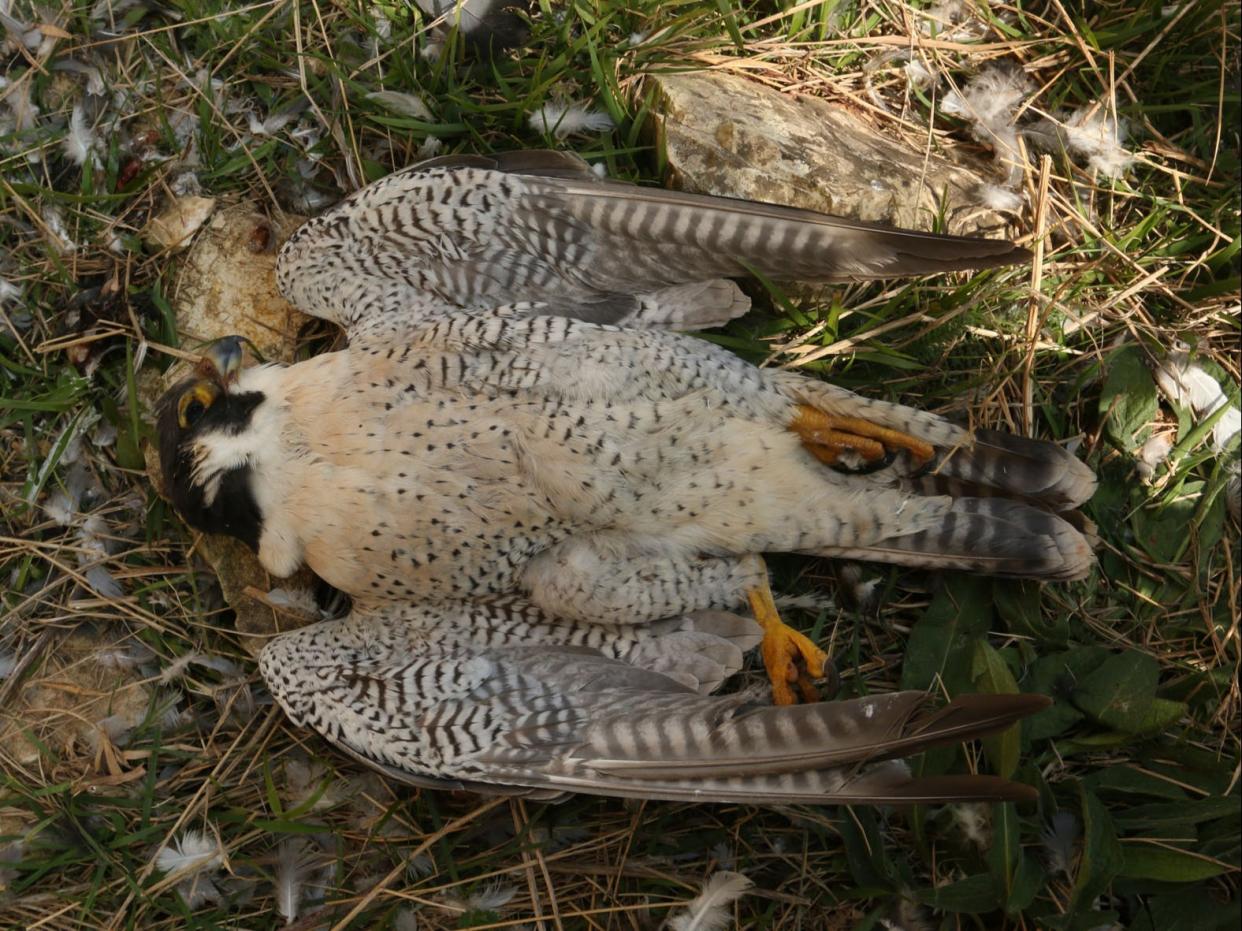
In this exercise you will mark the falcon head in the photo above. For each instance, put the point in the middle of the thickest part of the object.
(197, 421)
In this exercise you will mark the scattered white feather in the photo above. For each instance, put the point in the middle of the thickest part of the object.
(22, 108)
(917, 74)
(990, 103)
(94, 79)
(135, 653)
(406, 920)
(1059, 839)
(489, 898)
(199, 890)
(973, 820)
(293, 862)
(1100, 137)
(192, 852)
(8, 662)
(297, 601)
(600, 170)
(1189, 385)
(1152, 453)
(430, 147)
(995, 197)
(59, 508)
(410, 105)
(710, 911)
(80, 143)
(9, 292)
(178, 667)
(55, 222)
(567, 119)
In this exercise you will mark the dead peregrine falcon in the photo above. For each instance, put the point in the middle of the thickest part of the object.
(540, 498)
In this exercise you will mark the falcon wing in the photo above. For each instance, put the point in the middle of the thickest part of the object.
(476, 232)
(552, 718)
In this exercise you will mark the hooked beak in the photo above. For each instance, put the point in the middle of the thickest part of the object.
(223, 360)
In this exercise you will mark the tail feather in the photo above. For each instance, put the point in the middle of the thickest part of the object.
(1003, 463)
(996, 536)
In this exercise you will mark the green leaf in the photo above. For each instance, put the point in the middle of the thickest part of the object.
(941, 645)
(1128, 400)
(1101, 854)
(1057, 676)
(865, 849)
(1162, 815)
(1166, 864)
(972, 895)
(1160, 715)
(1018, 604)
(992, 676)
(1120, 692)
(1017, 876)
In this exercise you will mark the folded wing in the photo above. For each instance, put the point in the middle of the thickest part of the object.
(542, 720)
(472, 232)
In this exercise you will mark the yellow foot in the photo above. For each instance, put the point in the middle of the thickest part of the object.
(789, 657)
(827, 436)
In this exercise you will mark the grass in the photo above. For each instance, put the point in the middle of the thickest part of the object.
(1140, 754)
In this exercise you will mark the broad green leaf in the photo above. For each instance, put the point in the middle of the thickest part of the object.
(992, 676)
(1101, 854)
(1120, 692)
(942, 642)
(972, 895)
(1160, 715)
(1128, 400)
(1147, 861)
(1190, 910)
(1057, 676)
(1018, 604)
(1017, 876)
(865, 849)
(1159, 815)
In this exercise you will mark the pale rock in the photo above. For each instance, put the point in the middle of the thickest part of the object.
(726, 135)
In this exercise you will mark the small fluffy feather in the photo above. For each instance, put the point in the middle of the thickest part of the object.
(1059, 839)
(1189, 385)
(192, 852)
(178, 667)
(292, 865)
(8, 662)
(1099, 136)
(1152, 453)
(80, 143)
(405, 104)
(568, 119)
(489, 898)
(995, 197)
(9, 292)
(710, 911)
(990, 103)
(972, 819)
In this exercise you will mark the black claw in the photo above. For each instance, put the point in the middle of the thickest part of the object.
(868, 467)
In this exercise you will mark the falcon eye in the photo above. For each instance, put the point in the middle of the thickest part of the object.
(194, 403)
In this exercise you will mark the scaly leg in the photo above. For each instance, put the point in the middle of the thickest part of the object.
(788, 656)
(827, 436)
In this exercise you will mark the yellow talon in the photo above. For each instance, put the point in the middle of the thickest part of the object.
(789, 657)
(827, 436)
